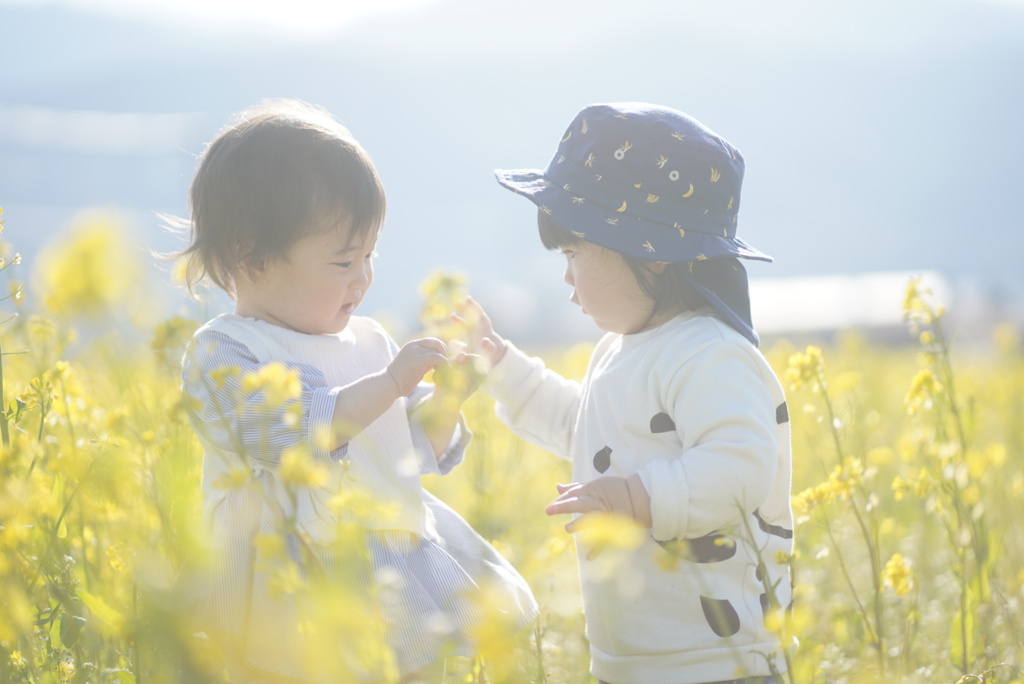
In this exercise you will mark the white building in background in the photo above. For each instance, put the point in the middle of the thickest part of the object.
(873, 303)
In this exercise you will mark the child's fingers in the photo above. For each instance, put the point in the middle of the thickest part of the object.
(571, 503)
(433, 344)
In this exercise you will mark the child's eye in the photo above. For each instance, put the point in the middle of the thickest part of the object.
(342, 264)
(569, 254)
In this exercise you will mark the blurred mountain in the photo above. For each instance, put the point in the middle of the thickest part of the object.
(880, 135)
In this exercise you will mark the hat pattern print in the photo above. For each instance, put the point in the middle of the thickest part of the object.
(645, 181)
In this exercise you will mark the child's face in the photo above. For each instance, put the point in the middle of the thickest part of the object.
(606, 289)
(316, 287)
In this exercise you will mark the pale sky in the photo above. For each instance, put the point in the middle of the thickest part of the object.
(295, 16)
(300, 16)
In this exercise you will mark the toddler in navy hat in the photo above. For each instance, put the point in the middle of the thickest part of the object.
(679, 425)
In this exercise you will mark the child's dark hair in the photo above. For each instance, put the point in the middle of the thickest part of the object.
(283, 171)
(669, 289)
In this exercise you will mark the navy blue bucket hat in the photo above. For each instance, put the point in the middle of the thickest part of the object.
(653, 183)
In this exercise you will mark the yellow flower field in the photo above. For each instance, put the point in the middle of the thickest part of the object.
(908, 483)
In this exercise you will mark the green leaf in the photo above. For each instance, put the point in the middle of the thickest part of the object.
(103, 612)
(119, 676)
(71, 627)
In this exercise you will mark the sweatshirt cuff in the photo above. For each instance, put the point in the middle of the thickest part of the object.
(666, 482)
(513, 369)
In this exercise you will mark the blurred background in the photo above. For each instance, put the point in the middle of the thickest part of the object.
(883, 138)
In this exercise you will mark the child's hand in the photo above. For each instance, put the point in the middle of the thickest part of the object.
(622, 496)
(482, 339)
(461, 377)
(413, 361)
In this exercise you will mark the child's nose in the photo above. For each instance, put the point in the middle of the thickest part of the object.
(567, 277)
(363, 276)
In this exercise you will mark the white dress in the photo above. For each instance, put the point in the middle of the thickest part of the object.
(417, 561)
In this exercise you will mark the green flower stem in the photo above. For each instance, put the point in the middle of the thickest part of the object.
(4, 430)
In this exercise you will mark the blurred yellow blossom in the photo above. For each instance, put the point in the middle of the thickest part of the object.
(171, 337)
(805, 368)
(297, 469)
(233, 478)
(442, 292)
(114, 558)
(220, 375)
(898, 574)
(924, 388)
(915, 308)
(270, 546)
(920, 486)
(90, 271)
(285, 579)
(608, 531)
(278, 382)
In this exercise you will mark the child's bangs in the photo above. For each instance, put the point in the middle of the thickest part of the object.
(346, 191)
(552, 235)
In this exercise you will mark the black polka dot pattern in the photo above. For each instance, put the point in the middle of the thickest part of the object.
(721, 616)
(711, 548)
(768, 528)
(662, 422)
(603, 459)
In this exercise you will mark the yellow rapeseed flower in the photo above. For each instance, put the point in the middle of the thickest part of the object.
(220, 375)
(442, 293)
(232, 479)
(279, 383)
(270, 546)
(297, 469)
(609, 531)
(114, 559)
(898, 574)
(171, 337)
(915, 308)
(805, 368)
(90, 271)
(924, 388)
(286, 580)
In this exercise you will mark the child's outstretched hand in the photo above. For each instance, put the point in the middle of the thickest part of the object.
(413, 361)
(461, 377)
(481, 338)
(623, 496)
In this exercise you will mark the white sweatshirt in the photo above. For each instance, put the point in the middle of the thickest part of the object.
(695, 410)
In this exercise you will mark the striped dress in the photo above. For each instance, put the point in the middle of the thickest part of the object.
(414, 562)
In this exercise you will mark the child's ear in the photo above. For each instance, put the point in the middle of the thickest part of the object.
(252, 270)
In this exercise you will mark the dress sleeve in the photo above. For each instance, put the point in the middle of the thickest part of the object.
(236, 416)
(725, 418)
(456, 451)
(538, 404)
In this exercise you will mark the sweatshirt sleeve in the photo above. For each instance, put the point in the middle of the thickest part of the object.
(725, 418)
(538, 404)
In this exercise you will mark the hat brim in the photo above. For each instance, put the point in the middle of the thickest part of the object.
(605, 226)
